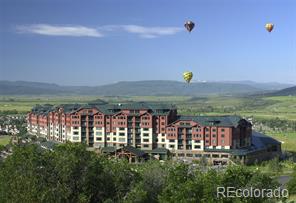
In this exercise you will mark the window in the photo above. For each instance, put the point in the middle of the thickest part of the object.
(98, 128)
(222, 141)
(146, 134)
(75, 128)
(222, 135)
(145, 129)
(98, 133)
(121, 134)
(172, 140)
(215, 155)
(214, 130)
(197, 147)
(145, 146)
(214, 141)
(75, 133)
(213, 135)
(207, 135)
(121, 129)
(222, 130)
(162, 123)
(114, 138)
(121, 140)
(163, 140)
(98, 139)
(172, 146)
(207, 129)
(75, 138)
(145, 140)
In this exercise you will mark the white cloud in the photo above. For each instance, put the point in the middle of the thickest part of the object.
(82, 31)
(151, 32)
(45, 29)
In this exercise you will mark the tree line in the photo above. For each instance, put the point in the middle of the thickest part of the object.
(71, 173)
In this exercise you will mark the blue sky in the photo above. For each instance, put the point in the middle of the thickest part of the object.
(98, 42)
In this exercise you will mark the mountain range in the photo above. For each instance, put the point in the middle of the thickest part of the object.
(140, 88)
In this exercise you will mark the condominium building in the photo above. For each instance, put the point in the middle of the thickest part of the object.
(147, 126)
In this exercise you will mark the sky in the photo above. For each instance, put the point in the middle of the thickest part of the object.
(99, 42)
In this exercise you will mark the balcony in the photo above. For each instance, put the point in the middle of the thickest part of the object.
(188, 147)
(188, 142)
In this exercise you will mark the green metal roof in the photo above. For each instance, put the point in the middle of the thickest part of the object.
(225, 121)
(108, 109)
(49, 144)
(160, 151)
(109, 149)
(134, 150)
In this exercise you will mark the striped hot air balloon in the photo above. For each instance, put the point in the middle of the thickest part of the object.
(189, 25)
(187, 76)
(269, 27)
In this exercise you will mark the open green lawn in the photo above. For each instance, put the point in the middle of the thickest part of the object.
(261, 107)
(4, 139)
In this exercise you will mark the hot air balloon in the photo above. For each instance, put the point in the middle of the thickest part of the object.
(269, 27)
(187, 76)
(189, 25)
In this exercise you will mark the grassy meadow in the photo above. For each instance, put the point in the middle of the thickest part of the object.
(4, 139)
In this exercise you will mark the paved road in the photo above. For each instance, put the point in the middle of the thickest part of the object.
(283, 180)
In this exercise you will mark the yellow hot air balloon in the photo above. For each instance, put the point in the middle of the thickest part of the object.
(187, 76)
(269, 27)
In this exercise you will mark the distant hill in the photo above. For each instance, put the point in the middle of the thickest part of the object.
(134, 88)
(285, 92)
(264, 86)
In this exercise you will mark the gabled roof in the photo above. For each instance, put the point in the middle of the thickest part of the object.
(133, 150)
(260, 140)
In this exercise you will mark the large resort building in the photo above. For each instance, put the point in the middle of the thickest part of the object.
(151, 128)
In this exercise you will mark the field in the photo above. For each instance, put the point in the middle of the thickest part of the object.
(4, 139)
(260, 107)
(255, 107)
